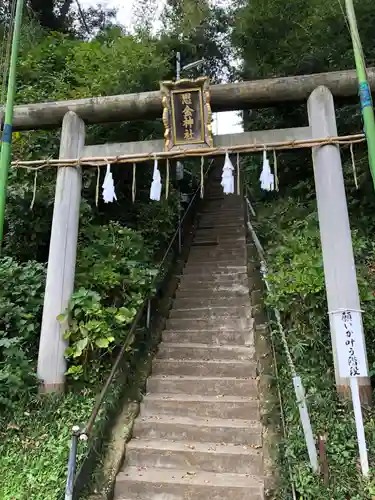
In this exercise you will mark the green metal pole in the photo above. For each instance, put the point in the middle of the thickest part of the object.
(364, 88)
(6, 141)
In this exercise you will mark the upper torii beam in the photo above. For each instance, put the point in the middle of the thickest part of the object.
(224, 97)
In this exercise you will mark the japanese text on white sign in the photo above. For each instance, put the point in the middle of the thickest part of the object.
(349, 343)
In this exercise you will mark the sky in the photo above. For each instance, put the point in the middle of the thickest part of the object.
(228, 122)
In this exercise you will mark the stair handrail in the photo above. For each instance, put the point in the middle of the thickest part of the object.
(296, 379)
(83, 434)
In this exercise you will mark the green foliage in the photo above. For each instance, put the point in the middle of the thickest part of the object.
(57, 66)
(198, 29)
(114, 275)
(94, 330)
(306, 38)
(115, 262)
(21, 301)
(310, 38)
(289, 229)
(158, 223)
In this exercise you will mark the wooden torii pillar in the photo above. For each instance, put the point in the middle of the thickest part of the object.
(338, 258)
(62, 258)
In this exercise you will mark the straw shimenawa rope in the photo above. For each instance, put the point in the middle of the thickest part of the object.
(245, 148)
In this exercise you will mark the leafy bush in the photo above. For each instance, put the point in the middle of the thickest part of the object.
(114, 275)
(21, 301)
(93, 330)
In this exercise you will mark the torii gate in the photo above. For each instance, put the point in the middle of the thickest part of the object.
(339, 265)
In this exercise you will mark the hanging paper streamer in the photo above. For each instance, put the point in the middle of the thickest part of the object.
(179, 171)
(275, 170)
(155, 191)
(134, 186)
(227, 179)
(266, 177)
(238, 175)
(34, 190)
(202, 177)
(167, 180)
(353, 166)
(109, 195)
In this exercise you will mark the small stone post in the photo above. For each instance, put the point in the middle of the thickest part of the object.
(62, 257)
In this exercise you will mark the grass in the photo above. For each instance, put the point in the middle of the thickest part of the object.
(34, 445)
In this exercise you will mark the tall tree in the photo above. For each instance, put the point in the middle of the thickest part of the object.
(198, 30)
(52, 14)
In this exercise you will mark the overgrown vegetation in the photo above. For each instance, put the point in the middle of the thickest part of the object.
(289, 229)
(65, 56)
(277, 41)
(119, 247)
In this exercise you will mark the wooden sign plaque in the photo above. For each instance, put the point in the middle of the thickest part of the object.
(187, 114)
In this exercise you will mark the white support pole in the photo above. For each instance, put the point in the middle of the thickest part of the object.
(306, 424)
(62, 257)
(178, 66)
(339, 266)
(359, 425)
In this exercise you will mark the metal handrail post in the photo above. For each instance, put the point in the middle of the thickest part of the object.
(71, 465)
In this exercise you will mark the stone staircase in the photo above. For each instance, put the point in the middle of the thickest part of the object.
(199, 432)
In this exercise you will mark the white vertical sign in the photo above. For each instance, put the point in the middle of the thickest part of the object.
(352, 361)
(351, 353)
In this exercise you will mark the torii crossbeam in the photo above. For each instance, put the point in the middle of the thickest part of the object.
(224, 97)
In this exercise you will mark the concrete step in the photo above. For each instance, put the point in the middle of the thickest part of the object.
(224, 244)
(212, 312)
(193, 302)
(198, 267)
(226, 291)
(194, 456)
(213, 271)
(202, 282)
(242, 432)
(223, 205)
(218, 324)
(210, 386)
(215, 261)
(232, 240)
(205, 243)
(207, 280)
(230, 407)
(218, 214)
(220, 223)
(209, 255)
(224, 337)
(220, 231)
(196, 367)
(163, 484)
(218, 251)
(212, 223)
(221, 215)
(189, 351)
(217, 244)
(205, 228)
